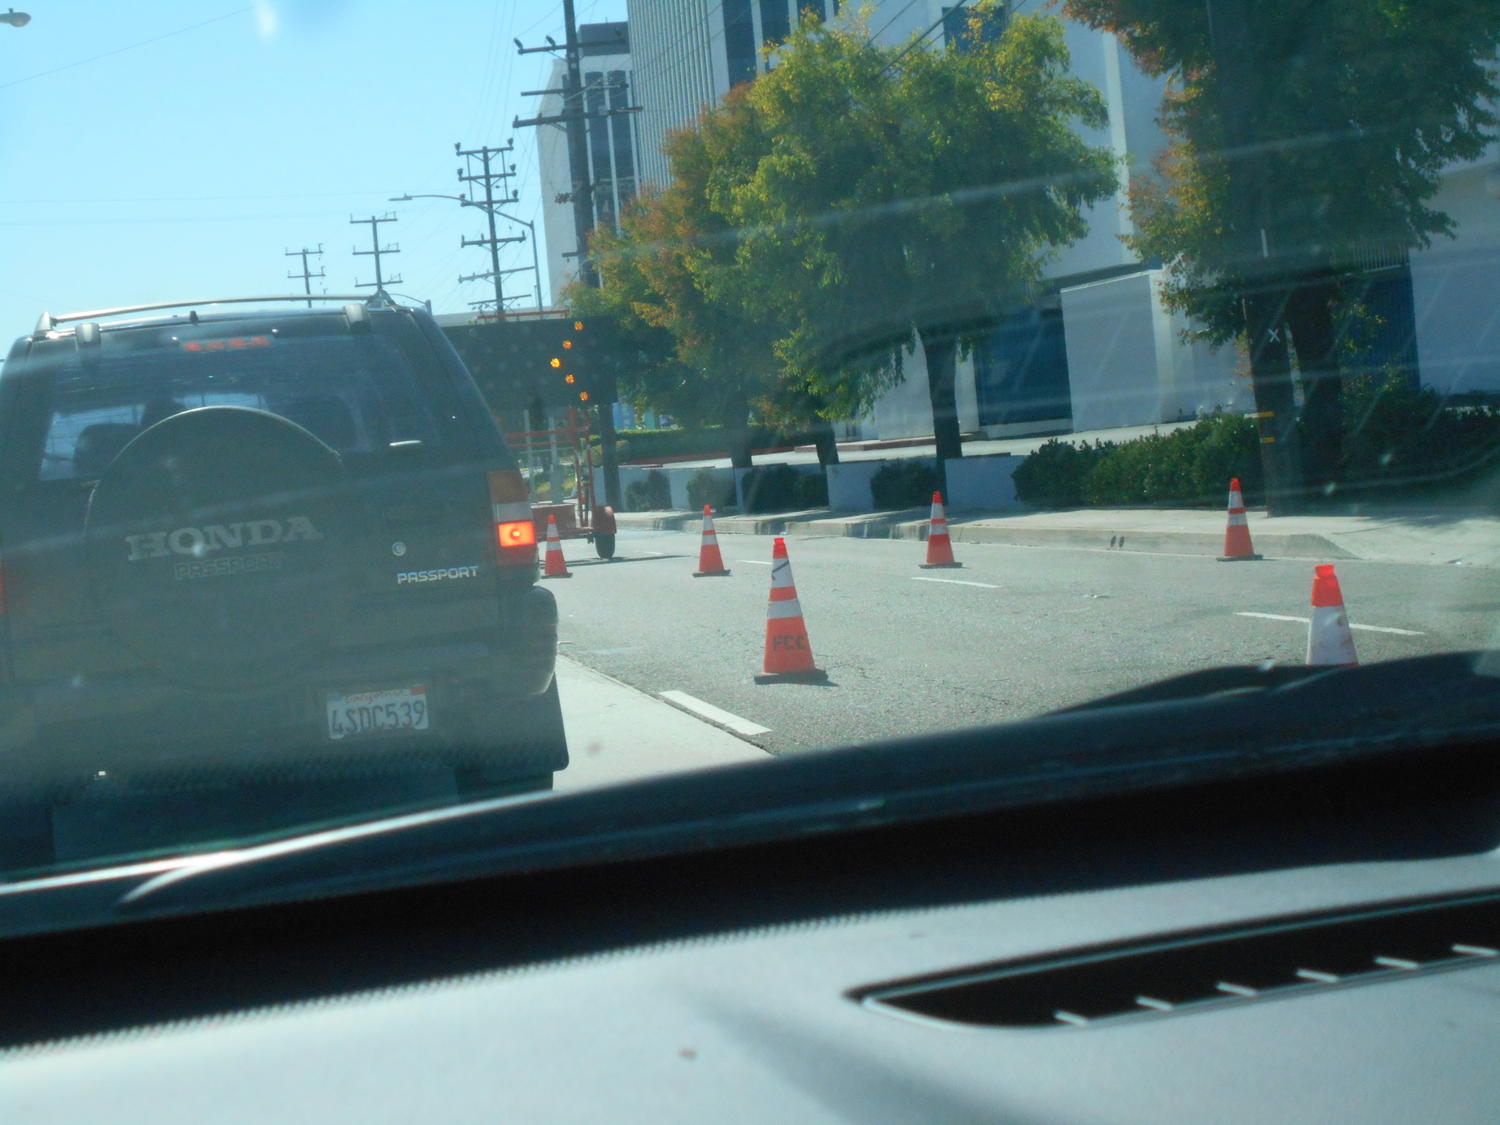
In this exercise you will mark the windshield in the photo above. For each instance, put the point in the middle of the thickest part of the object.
(744, 379)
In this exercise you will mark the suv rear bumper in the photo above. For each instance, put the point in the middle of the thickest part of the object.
(481, 691)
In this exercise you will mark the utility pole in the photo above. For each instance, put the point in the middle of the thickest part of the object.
(375, 251)
(489, 177)
(574, 120)
(305, 275)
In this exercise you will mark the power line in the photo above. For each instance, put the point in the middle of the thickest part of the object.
(122, 50)
(876, 34)
(917, 42)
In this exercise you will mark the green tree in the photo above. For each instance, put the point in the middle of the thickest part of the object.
(673, 275)
(669, 278)
(910, 193)
(1306, 138)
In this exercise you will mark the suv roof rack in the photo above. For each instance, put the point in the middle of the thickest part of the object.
(49, 321)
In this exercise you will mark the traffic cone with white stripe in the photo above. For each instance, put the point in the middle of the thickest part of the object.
(789, 657)
(710, 562)
(556, 567)
(939, 546)
(1237, 546)
(1329, 640)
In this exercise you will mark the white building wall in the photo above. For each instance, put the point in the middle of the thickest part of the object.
(676, 45)
(1456, 286)
(906, 409)
(555, 177)
(555, 172)
(1113, 368)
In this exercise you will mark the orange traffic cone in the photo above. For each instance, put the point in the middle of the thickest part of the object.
(1237, 546)
(789, 657)
(1329, 640)
(710, 562)
(939, 546)
(556, 567)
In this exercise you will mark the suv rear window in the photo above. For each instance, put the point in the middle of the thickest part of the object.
(356, 393)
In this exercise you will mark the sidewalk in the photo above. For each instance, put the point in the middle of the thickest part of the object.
(1458, 536)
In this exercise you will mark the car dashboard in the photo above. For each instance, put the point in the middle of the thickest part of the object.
(1317, 945)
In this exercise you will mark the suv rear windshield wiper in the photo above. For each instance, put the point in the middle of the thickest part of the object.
(1211, 726)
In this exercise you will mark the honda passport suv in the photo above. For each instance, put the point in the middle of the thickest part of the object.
(239, 545)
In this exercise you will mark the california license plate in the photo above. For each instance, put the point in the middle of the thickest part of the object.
(378, 712)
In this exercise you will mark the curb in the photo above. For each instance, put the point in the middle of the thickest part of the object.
(905, 525)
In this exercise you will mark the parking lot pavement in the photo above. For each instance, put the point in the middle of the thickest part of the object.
(617, 733)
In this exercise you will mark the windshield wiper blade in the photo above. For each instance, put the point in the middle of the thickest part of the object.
(1241, 722)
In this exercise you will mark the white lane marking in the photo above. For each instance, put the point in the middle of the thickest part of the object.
(753, 562)
(1352, 625)
(956, 582)
(713, 714)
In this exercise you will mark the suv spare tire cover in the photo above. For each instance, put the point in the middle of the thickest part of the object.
(217, 543)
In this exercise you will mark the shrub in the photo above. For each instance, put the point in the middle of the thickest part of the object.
(713, 487)
(1400, 437)
(810, 490)
(1055, 474)
(907, 483)
(770, 488)
(1191, 466)
(649, 495)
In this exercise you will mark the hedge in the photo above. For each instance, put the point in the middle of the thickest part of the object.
(702, 441)
(1190, 466)
(907, 483)
(650, 495)
(1396, 441)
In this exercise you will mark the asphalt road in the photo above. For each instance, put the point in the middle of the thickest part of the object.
(1016, 632)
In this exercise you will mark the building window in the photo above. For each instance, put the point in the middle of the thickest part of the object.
(599, 146)
(622, 142)
(739, 41)
(775, 23)
(959, 32)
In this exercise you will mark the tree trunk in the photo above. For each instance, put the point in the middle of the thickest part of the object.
(824, 442)
(1311, 322)
(737, 432)
(941, 355)
(1241, 86)
(1271, 379)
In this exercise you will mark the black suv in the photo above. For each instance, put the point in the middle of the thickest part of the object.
(246, 544)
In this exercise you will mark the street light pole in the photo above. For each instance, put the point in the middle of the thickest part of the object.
(492, 212)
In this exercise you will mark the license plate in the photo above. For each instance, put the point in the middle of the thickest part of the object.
(378, 712)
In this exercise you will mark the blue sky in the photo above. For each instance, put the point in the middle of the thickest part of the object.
(166, 149)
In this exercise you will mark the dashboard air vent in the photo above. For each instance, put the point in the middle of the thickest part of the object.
(1185, 972)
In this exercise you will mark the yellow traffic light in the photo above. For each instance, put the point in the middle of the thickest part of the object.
(555, 361)
(578, 326)
(568, 379)
(583, 396)
(567, 343)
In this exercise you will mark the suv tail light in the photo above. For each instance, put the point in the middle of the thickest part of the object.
(515, 534)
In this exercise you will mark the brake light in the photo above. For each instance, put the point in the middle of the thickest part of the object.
(515, 534)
